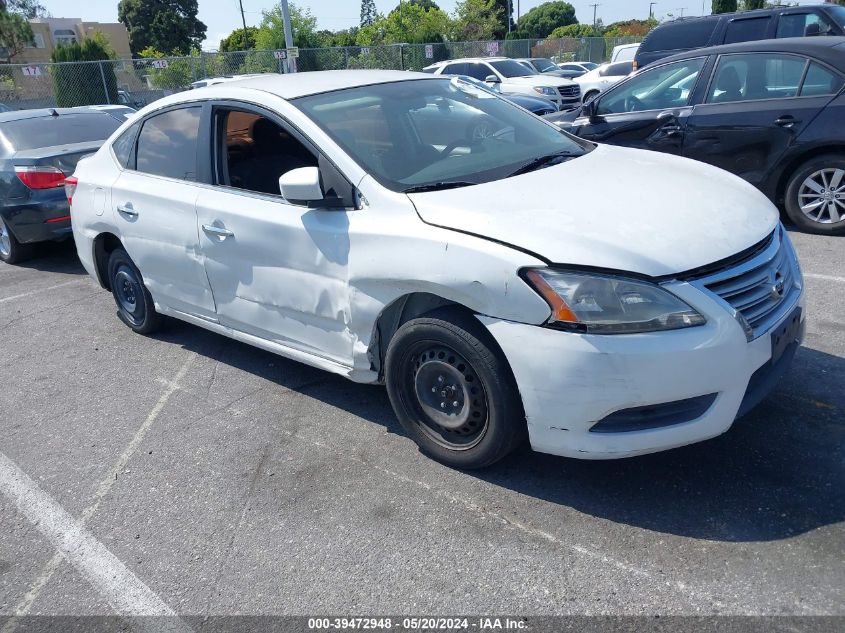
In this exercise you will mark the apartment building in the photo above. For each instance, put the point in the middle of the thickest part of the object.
(52, 32)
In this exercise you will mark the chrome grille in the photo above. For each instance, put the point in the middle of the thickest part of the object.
(761, 289)
(570, 92)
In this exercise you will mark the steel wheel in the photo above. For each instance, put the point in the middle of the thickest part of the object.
(451, 400)
(821, 196)
(5, 240)
(127, 291)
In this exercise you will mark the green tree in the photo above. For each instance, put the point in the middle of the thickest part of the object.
(750, 5)
(239, 40)
(723, 6)
(413, 25)
(545, 18)
(27, 8)
(368, 12)
(630, 28)
(82, 84)
(15, 33)
(176, 74)
(166, 25)
(476, 20)
(575, 30)
(505, 13)
(271, 31)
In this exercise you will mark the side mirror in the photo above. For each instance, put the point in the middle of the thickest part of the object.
(301, 186)
(812, 29)
(492, 79)
(589, 109)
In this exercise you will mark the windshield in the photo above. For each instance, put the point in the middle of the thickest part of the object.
(589, 65)
(838, 14)
(512, 68)
(419, 133)
(544, 65)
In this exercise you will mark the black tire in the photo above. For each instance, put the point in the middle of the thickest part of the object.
(135, 306)
(487, 420)
(590, 96)
(12, 251)
(797, 193)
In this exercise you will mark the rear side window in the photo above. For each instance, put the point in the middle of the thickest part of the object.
(64, 129)
(680, 34)
(167, 144)
(820, 81)
(455, 69)
(123, 146)
(795, 24)
(747, 30)
(756, 76)
(619, 69)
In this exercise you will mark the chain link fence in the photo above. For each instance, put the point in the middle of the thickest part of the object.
(136, 82)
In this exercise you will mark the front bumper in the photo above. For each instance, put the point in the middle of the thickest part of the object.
(569, 381)
(43, 217)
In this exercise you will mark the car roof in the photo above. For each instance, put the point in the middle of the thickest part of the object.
(828, 48)
(472, 59)
(291, 86)
(36, 113)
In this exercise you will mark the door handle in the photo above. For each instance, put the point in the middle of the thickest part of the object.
(786, 121)
(127, 209)
(217, 231)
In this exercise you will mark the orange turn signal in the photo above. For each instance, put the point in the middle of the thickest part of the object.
(560, 311)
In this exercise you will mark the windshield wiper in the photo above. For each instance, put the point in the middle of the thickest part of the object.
(438, 186)
(542, 161)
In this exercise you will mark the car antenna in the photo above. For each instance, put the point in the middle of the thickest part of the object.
(53, 112)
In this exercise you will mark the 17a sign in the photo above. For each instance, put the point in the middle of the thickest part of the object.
(31, 71)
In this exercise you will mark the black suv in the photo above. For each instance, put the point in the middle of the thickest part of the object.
(686, 34)
(770, 112)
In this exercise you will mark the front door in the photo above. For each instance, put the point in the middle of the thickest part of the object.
(278, 271)
(648, 111)
(755, 108)
(155, 210)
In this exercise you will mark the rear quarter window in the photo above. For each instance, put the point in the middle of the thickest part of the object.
(680, 34)
(65, 129)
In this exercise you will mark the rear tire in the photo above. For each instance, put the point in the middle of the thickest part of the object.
(135, 305)
(12, 251)
(453, 391)
(815, 195)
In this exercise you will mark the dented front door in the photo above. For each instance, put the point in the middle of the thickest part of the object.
(278, 271)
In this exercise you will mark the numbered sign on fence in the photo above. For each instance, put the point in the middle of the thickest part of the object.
(293, 52)
(429, 51)
(365, 50)
(492, 48)
(160, 63)
(280, 54)
(31, 71)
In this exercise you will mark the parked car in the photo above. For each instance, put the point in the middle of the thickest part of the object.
(687, 34)
(126, 98)
(572, 70)
(535, 105)
(624, 53)
(513, 78)
(120, 112)
(544, 66)
(210, 81)
(770, 112)
(642, 318)
(597, 81)
(38, 148)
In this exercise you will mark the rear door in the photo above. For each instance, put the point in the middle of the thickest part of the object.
(755, 106)
(154, 201)
(647, 111)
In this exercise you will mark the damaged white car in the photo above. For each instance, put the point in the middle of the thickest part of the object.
(602, 302)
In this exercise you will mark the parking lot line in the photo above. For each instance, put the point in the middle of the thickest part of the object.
(119, 586)
(40, 290)
(824, 277)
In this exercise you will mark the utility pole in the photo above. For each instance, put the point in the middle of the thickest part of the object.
(595, 6)
(290, 64)
(681, 9)
(243, 19)
(510, 15)
(651, 10)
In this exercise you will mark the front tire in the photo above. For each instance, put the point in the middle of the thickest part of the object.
(11, 251)
(815, 195)
(453, 391)
(135, 305)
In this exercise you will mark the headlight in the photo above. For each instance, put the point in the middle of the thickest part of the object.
(543, 90)
(601, 304)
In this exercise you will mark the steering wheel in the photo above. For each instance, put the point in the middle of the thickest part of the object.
(451, 147)
(632, 104)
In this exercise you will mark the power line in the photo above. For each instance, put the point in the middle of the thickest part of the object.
(595, 6)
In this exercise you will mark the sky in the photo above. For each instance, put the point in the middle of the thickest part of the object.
(222, 16)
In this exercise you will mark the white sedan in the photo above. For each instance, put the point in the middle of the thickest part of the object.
(602, 302)
(600, 79)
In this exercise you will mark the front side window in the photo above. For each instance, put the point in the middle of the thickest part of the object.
(756, 76)
(167, 144)
(747, 30)
(455, 69)
(254, 151)
(423, 133)
(657, 89)
(478, 71)
(544, 65)
(795, 24)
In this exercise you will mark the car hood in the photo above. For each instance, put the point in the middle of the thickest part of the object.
(540, 80)
(613, 208)
(564, 119)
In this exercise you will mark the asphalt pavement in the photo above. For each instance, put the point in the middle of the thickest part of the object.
(195, 475)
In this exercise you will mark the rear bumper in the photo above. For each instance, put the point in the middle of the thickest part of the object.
(42, 218)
